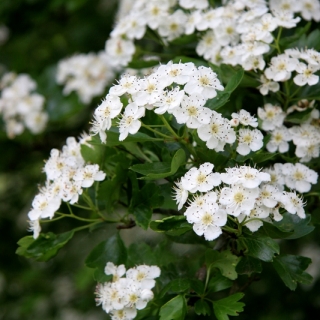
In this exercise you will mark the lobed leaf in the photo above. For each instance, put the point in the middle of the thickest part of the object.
(228, 306)
(291, 268)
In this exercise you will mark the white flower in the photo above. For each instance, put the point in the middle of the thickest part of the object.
(246, 176)
(249, 140)
(181, 195)
(279, 140)
(306, 75)
(175, 72)
(271, 116)
(109, 109)
(203, 82)
(281, 68)
(127, 84)
(88, 175)
(173, 26)
(238, 199)
(208, 221)
(202, 179)
(169, 101)
(268, 85)
(293, 204)
(245, 118)
(129, 122)
(120, 51)
(299, 177)
(44, 206)
(116, 271)
(191, 112)
(258, 212)
(34, 226)
(269, 195)
(217, 133)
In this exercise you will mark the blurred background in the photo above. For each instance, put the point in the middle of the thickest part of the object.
(35, 35)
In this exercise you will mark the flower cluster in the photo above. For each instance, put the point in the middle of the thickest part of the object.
(181, 90)
(123, 296)
(86, 74)
(20, 107)
(238, 32)
(248, 194)
(305, 136)
(67, 173)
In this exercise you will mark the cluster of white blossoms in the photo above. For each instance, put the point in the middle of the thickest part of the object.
(305, 136)
(21, 107)
(282, 66)
(86, 74)
(239, 32)
(123, 296)
(181, 90)
(250, 195)
(67, 175)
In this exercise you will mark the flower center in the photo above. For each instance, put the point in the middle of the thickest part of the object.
(204, 81)
(192, 111)
(207, 219)
(214, 128)
(238, 197)
(298, 175)
(201, 178)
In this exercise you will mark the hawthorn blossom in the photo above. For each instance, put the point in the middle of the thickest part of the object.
(129, 122)
(306, 75)
(279, 140)
(293, 204)
(249, 140)
(202, 179)
(203, 82)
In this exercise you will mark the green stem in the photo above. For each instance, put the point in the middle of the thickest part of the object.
(163, 119)
(51, 220)
(156, 132)
(85, 227)
(76, 217)
(277, 40)
(82, 207)
(207, 278)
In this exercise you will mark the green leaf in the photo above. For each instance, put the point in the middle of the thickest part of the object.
(141, 253)
(141, 64)
(248, 265)
(185, 39)
(175, 309)
(225, 261)
(299, 117)
(270, 230)
(45, 246)
(262, 157)
(291, 268)
(24, 243)
(219, 101)
(143, 214)
(263, 248)
(109, 190)
(174, 225)
(159, 170)
(197, 286)
(93, 154)
(110, 250)
(113, 138)
(235, 81)
(176, 286)
(218, 283)
(228, 306)
(297, 226)
(201, 307)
